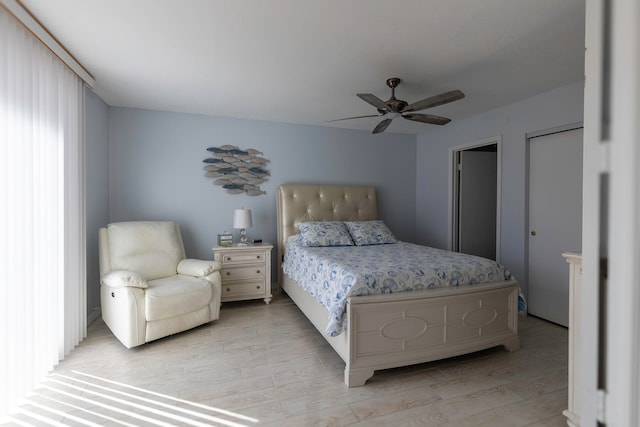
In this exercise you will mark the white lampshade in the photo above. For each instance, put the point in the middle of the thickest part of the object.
(242, 218)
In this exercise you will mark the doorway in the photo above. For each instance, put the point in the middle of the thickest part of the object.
(475, 198)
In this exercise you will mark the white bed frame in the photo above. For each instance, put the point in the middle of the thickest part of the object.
(391, 330)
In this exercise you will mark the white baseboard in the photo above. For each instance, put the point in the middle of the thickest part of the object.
(95, 315)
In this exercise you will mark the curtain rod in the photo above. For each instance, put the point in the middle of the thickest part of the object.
(22, 15)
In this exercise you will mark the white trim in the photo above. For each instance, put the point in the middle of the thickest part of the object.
(588, 311)
(453, 151)
(556, 129)
(453, 184)
(95, 315)
(18, 11)
(623, 294)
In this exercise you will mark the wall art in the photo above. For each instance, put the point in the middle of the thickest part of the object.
(238, 171)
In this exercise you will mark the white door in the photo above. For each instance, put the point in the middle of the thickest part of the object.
(555, 220)
(477, 205)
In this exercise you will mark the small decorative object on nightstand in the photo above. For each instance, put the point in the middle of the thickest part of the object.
(225, 239)
(246, 271)
(242, 220)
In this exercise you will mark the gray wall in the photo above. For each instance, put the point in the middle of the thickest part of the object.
(547, 110)
(97, 190)
(156, 171)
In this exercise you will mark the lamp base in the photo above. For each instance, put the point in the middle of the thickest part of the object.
(243, 238)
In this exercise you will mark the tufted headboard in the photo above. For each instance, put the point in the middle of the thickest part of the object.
(316, 202)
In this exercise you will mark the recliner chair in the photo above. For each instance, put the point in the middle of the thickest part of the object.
(148, 289)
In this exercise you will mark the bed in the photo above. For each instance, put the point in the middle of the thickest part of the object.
(388, 330)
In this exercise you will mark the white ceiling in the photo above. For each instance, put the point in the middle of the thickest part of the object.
(303, 61)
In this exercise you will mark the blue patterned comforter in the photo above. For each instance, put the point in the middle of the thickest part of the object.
(333, 274)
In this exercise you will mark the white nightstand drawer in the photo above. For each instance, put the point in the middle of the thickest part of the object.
(243, 273)
(242, 290)
(241, 257)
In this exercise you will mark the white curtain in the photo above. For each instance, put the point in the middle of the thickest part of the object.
(42, 242)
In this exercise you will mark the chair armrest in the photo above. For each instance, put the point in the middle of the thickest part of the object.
(197, 267)
(123, 278)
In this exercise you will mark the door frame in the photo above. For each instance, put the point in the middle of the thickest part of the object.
(454, 187)
(611, 110)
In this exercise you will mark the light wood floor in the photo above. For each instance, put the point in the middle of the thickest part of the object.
(262, 365)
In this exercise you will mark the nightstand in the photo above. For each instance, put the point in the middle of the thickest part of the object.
(246, 271)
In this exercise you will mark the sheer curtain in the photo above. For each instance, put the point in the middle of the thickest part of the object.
(42, 242)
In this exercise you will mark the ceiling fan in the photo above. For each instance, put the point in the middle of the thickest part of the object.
(394, 108)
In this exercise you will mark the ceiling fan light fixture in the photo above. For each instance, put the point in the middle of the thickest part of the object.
(392, 115)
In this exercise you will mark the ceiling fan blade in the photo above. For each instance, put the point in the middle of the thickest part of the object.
(382, 126)
(427, 118)
(374, 100)
(356, 117)
(434, 101)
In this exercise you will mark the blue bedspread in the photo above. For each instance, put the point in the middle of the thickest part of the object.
(333, 274)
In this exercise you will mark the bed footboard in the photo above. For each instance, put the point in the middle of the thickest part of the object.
(392, 330)
(386, 334)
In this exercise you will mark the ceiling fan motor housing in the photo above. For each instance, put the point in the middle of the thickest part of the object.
(395, 105)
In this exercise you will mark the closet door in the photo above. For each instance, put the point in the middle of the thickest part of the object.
(555, 220)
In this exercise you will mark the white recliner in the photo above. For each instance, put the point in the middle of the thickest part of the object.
(148, 289)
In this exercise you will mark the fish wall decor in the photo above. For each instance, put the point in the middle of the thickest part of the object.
(237, 171)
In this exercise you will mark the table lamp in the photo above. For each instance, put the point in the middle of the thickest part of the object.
(242, 220)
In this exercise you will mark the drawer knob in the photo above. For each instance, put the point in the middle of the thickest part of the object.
(258, 256)
(228, 289)
(258, 287)
(228, 273)
(258, 271)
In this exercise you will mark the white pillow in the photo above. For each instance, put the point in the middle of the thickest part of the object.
(370, 232)
(122, 278)
(324, 233)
